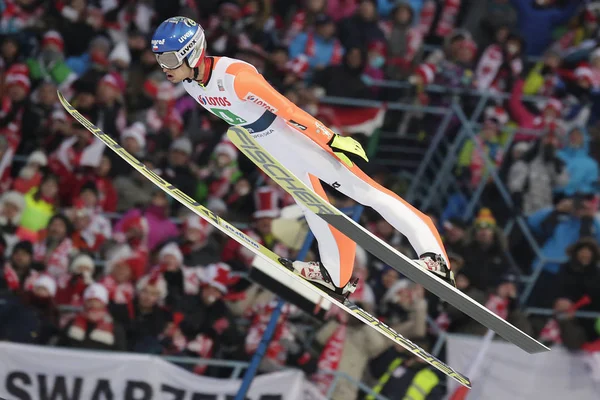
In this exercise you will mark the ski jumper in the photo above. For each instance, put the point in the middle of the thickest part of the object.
(235, 92)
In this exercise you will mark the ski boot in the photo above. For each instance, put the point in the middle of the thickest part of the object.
(315, 273)
(435, 264)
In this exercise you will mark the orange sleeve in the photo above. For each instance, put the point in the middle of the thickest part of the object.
(247, 80)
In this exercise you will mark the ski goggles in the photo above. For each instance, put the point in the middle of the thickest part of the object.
(169, 60)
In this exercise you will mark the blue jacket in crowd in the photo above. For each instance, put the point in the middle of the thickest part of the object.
(536, 24)
(323, 49)
(582, 169)
(559, 236)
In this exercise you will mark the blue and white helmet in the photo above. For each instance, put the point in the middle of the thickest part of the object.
(178, 39)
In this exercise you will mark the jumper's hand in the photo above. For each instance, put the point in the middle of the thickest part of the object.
(343, 146)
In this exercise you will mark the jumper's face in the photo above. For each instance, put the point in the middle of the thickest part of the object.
(178, 74)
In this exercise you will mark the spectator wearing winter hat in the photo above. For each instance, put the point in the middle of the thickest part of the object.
(150, 318)
(197, 242)
(486, 147)
(404, 308)
(38, 120)
(134, 139)
(374, 65)
(120, 57)
(40, 204)
(550, 118)
(54, 246)
(345, 80)
(176, 168)
(181, 280)
(207, 314)
(41, 302)
(50, 63)
(162, 101)
(90, 54)
(578, 278)
(103, 180)
(70, 287)
(217, 178)
(485, 255)
(122, 271)
(361, 28)
(31, 317)
(160, 142)
(404, 42)
(111, 109)
(22, 265)
(313, 51)
(31, 174)
(76, 154)
(533, 178)
(15, 108)
(267, 201)
(305, 17)
(92, 230)
(12, 205)
(94, 328)
(147, 227)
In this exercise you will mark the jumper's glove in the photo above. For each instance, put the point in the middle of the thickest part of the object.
(343, 146)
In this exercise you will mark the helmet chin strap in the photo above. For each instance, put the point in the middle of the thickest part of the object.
(196, 72)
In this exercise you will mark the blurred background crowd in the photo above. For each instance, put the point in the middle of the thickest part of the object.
(92, 255)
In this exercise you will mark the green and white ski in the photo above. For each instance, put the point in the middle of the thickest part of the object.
(244, 141)
(259, 249)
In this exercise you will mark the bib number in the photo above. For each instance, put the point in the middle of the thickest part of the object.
(228, 116)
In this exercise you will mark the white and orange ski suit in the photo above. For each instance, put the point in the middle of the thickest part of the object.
(235, 92)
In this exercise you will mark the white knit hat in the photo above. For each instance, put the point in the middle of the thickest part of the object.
(155, 280)
(46, 282)
(38, 157)
(227, 148)
(96, 291)
(182, 144)
(136, 131)
(14, 198)
(120, 53)
(218, 276)
(121, 254)
(81, 260)
(171, 249)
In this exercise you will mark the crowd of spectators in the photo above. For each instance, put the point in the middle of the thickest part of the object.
(93, 255)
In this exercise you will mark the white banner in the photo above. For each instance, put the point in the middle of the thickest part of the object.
(508, 372)
(35, 373)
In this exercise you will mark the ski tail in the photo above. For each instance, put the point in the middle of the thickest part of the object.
(256, 247)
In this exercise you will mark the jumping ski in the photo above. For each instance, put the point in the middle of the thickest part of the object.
(258, 249)
(246, 143)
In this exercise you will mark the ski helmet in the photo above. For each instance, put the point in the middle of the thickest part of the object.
(178, 39)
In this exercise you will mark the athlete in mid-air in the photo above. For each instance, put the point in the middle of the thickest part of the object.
(234, 91)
